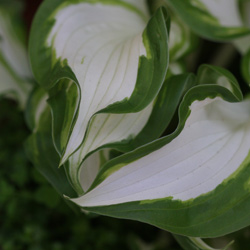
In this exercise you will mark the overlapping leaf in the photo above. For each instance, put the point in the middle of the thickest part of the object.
(226, 20)
(209, 19)
(104, 80)
(110, 54)
(109, 63)
(181, 182)
(162, 113)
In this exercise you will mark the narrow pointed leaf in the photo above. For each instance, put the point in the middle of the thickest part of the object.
(40, 148)
(63, 101)
(181, 38)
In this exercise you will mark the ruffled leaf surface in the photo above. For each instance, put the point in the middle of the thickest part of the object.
(111, 54)
(194, 181)
(162, 113)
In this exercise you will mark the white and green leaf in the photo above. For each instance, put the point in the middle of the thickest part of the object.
(181, 39)
(106, 129)
(211, 147)
(166, 181)
(216, 20)
(91, 166)
(40, 147)
(125, 132)
(14, 66)
(104, 76)
(110, 54)
(226, 20)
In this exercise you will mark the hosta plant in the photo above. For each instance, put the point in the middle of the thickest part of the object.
(111, 78)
